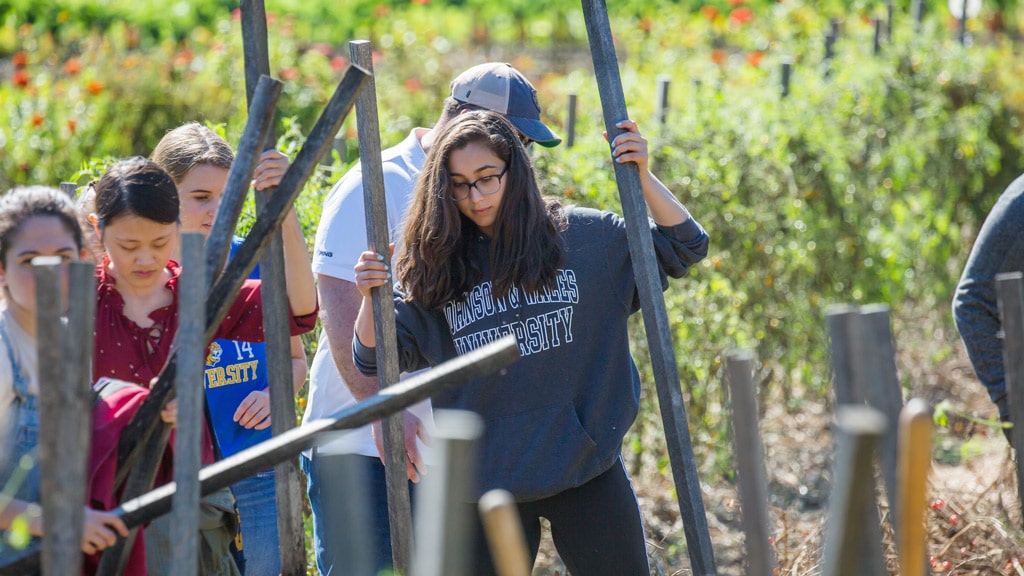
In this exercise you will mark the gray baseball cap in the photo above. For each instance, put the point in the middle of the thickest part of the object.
(499, 87)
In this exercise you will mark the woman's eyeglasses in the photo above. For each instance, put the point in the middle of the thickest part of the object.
(487, 185)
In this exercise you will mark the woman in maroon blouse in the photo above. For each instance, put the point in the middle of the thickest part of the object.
(137, 221)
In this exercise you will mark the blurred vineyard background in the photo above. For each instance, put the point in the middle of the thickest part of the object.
(866, 183)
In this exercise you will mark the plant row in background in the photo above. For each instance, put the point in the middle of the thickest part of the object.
(863, 185)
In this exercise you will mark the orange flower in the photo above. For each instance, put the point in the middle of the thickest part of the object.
(381, 10)
(182, 58)
(718, 56)
(72, 124)
(413, 85)
(645, 24)
(290, 73)
(20, 78)
(72, 66)
(741, 15)
(94, 87)
(339, 63)
(37, 119)
(709, 12)
(236, 14)
(737, 2)
(754, 58)
(20, 59)
(421, 2)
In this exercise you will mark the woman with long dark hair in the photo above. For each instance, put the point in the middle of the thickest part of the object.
(486, 255)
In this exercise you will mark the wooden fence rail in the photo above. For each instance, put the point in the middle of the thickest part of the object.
(457, 372)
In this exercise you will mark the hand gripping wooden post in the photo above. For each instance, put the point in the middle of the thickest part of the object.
(443, 515)
(915, 459)
(65, 356)
(652, 303)
(504, 529)
(860, 428)
(1010, 297)
(188, 447)
(276, 313)
(146, 435)
(749, 462)
(399, 507)
(456, 372)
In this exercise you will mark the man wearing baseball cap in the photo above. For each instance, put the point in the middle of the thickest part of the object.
(335, 383)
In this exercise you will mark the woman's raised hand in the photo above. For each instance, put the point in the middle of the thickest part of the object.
(269, 170)
(371, 272)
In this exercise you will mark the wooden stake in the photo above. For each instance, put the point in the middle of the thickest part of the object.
(915, 459)
(65, 357)
(750, 462)
(449, 375)
(399, 507)
(276, 315)
(500, 517)
(860, 428)
(188, 446)
(1010, 297)
(570, 123)
(652, 303)
(443, 519)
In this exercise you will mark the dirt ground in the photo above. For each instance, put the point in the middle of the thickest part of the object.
(974, 517)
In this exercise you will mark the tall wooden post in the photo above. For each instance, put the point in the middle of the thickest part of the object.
(443, 518)
(661, 110)
(399, 507)
(191, 346)
(274, 293)
(570, 122)
(1010, 296)
(65, 357)
(859, 428)
(915, 458)
(652, 303)
(749, 462)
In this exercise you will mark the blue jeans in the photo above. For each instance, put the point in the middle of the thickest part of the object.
(257, 508)
(348, 496)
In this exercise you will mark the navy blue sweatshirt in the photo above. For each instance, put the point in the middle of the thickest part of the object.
(556, 418)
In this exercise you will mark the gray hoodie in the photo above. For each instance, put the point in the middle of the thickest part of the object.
(556, 418)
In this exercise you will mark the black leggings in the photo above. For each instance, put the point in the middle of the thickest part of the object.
(597, 528)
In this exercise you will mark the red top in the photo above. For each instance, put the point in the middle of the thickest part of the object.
(126, 351)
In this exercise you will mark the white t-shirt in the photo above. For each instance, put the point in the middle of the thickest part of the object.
(27, 357)
(340, 239)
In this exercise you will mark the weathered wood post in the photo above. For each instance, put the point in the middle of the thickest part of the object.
(888, 20)
(652, 303)
(859, 427)
(191, 346)
(749, 462)
(1010, 297)
(661, 110)
(399, 507)
(917, 8)
(500, 518)
(65, 356)
(274, 294)
(787, 76)
(443, 512)
(570, 122)
(915, 459)
(876, 45)
(884, 393)
(446, 376)
(962, 24)
(852, 383)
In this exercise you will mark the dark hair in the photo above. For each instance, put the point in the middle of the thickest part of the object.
(191, 145)
(434, 266)
(21, 204)
(139, 187)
